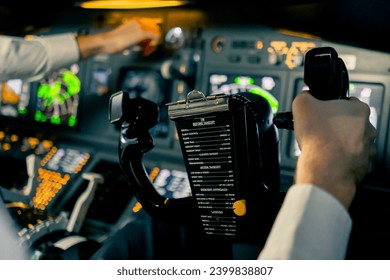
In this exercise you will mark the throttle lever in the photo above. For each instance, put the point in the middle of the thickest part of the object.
(326, 76)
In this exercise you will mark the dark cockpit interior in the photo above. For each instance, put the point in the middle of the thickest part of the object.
(61, 177)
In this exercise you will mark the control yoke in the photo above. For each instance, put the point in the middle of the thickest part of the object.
(326, 76)
(230, 147)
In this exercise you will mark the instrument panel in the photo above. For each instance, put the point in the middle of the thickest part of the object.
(62, 119)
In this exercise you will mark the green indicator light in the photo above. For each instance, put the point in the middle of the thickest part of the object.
(73, 83)
(42, 90)
(72, 121)
(244, 81)
(273, 102)
(49, 93)
(351, 87)
(55, 120)
(38, 116)
(22, 111)
(45, 92)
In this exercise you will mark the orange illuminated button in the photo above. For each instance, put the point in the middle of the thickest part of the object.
(239, 207)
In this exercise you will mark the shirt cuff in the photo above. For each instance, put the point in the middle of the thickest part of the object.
(311, 224)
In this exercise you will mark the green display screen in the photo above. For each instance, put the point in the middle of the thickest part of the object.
(58, 98)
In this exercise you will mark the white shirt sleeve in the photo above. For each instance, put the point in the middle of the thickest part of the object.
(31, 59)
(311, 225)
(10, 249)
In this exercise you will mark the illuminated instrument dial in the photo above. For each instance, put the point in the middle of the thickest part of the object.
(58, 98)
(265, 86)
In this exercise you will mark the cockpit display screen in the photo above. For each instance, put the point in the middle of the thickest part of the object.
(57, 98)
(150, 85)
(15, 98)
(264, 85)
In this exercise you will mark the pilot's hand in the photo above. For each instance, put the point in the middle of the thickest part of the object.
(337, 146)
(152, 34)
(145, 32)
(142, 31)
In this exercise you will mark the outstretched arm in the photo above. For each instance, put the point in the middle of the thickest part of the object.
(33, 57)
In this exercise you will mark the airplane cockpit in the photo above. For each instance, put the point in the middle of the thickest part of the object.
(162, 150)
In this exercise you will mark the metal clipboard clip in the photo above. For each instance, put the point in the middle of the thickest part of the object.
(196, 103)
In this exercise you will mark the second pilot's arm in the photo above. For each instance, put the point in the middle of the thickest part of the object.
(33, 57)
